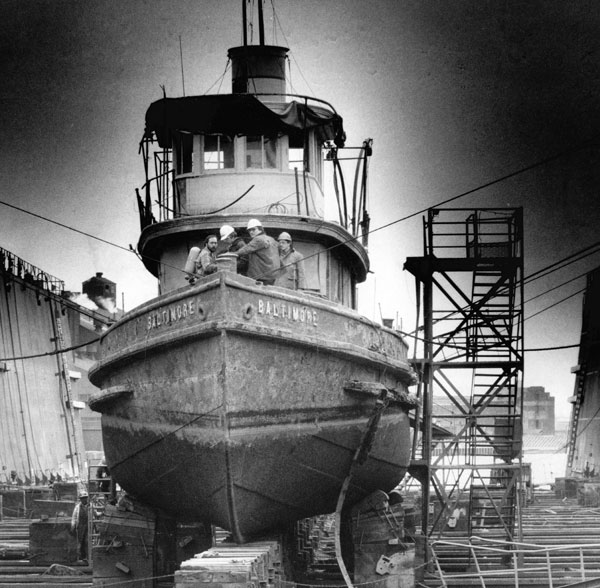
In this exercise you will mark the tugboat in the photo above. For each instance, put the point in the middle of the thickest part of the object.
(227, 399)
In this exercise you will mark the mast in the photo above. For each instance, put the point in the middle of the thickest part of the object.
(244, 23)
(261, 24)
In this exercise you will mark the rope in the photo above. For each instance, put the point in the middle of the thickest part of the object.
(360, 456)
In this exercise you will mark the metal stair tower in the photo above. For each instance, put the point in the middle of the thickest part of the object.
(470, 286)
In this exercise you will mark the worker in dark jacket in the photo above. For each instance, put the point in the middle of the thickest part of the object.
(231, 243)
(291, 275)
(262, 253)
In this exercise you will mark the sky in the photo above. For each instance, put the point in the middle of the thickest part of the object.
(454, 93)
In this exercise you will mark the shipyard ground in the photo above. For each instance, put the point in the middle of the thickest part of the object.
(573, 529)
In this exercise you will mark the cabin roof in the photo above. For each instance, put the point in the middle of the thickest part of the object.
(238, 114)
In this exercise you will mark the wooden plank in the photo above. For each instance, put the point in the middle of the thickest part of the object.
(44, 579)
(122, 582)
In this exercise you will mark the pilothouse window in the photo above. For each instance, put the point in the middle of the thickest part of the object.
(296, 160)
(261, 152)
(296, 154)
(218, 152)
(184, 153)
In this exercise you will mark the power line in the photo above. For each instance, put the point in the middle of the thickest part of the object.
(591, 249)
(491, 183)
(555, 304)
(555, 287)
(463, 348)
(66, 226)
(354, 238)
(55, 352)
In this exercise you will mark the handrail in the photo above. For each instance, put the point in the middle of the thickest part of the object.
(12, 264)
(517, 549)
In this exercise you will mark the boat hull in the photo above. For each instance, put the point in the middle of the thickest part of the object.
(229, 402)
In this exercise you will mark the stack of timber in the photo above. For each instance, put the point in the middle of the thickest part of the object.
(23, 574)
(18, 569)
(234, 566)
(315, 556)
(14, 539)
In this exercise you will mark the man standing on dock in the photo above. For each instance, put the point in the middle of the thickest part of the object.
(79, 526)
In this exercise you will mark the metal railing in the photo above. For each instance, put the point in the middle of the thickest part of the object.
(514, 557)
(11, 264)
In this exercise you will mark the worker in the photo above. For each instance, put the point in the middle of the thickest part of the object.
(79, 526)
(263, 254)
(291, 275)
(201, 262)
(231, 243)
(207, 258)
(103, 477)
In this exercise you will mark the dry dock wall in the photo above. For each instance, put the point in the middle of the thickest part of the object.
(586, 456)
(38, 434)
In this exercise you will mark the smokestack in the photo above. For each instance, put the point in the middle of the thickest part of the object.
(258, 69)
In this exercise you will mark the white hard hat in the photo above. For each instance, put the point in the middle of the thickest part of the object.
(225, 231)
(284, 237)
(253, 223)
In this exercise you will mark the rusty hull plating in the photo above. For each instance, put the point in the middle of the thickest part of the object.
(225, 402)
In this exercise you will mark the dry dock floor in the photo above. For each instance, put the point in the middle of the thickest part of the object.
(572, 533)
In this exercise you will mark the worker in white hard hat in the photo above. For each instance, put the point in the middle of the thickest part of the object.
(291, 275)
(231, 243)
(226, 231)
(79, 526)
(262, 253)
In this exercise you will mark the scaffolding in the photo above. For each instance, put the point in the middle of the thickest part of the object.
(470, 287)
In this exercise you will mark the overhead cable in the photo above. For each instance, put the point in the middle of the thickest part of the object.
(555, 304)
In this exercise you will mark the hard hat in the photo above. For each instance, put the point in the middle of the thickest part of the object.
(83, 495)
(253, 223)
(284, 237)
(225, 231)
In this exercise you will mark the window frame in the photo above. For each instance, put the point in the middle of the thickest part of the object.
(231, 141)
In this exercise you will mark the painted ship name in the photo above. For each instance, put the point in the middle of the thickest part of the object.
(192, 309)
(170, 315)
(291, 312)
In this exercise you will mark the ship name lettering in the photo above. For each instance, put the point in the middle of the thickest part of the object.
(171, 315)
(290, 312)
